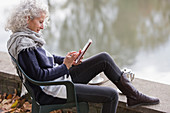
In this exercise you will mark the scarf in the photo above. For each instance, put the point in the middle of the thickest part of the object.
(24, 39)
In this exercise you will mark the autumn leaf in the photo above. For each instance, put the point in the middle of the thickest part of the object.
(6, 106)
(21, 102)
(14, 104)
(15, 94)
(56, 111)
(4, 96)
(27, 106)
(9, 96)
(6, 101)
(1, 98)
(13, 109)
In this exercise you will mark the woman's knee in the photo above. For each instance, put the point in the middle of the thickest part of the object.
(104, 55)
(115, 95)
(112, 94)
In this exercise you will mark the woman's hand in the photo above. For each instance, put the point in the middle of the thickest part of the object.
(74, 63)
(70, 58)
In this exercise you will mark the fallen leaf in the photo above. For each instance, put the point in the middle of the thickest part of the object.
(16, 98)
(15, 94)
(56, 111)
(9, 96)
(5, 101)
(4, 96)
(13, 109)
(21, 102)
(14, 104)
(6, 106)
(27, 106)
(1, 98)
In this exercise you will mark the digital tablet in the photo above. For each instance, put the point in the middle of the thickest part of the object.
(84, 50)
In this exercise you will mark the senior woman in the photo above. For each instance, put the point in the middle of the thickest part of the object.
(26, 45)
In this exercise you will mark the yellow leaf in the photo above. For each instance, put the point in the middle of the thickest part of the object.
(14, 104)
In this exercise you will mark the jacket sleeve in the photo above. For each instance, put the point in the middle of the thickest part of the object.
(28, 61)
(58, 59)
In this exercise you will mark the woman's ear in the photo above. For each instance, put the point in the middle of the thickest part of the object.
(28, 19)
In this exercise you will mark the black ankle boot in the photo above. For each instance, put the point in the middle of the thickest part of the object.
(134, 97)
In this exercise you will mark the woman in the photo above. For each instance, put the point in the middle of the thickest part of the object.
(26, 45)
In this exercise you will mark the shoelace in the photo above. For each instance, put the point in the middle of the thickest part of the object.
(129, 73)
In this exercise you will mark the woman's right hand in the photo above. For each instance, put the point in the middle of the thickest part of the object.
(70, 57)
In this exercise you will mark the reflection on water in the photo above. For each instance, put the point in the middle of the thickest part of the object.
(134, 32)
(129, 31)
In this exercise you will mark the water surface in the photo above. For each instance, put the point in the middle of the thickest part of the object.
(134, 32)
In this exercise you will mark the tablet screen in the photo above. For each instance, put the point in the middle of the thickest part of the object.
(84, 50)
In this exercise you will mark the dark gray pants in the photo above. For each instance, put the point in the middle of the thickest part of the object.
(84, 72)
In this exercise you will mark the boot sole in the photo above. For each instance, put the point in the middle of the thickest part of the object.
(140, 104)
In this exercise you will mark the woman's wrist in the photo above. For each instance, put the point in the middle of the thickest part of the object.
(68, 66)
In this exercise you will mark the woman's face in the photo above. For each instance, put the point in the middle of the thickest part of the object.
(36, 24)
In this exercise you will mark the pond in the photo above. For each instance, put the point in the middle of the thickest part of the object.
(136, 33)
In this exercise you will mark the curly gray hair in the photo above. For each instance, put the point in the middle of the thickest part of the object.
(27, 8)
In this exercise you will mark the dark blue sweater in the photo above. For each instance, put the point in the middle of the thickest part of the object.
(38, 65)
